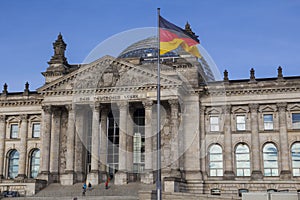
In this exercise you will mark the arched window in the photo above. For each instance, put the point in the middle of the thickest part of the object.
(215, 160)
(34, 163)
(295, 150)
(13, 164)
(242, 158)
(270, 156)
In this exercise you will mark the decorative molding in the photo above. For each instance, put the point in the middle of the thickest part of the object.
(47, 109)
(253, 107)
(147, 104)
(282, 106)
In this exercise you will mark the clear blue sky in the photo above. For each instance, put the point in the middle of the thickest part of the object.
(237, 34)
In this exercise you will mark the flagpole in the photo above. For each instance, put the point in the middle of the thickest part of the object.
(158, 176)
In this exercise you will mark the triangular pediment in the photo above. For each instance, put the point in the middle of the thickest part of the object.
(267, 108)
(240, 110)
(107, 72)
(294, 107)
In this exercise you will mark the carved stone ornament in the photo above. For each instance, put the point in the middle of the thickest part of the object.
(148, 104)
(253, 107)
(226, 109)
(47, 109)
(282, 106)
(122, 105)
(2, 118)
(24, 117)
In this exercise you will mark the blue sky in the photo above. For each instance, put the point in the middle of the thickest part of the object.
(238, 35)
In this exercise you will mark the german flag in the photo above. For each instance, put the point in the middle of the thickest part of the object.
(171, 36)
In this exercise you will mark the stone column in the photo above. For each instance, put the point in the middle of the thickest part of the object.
(103, 143)
(45, 140)
(175, 172)
(69, 177)
(255, 144)
(130, 132)
(54, 145)
(284, 148)
(148, 175)
(228, 174)
(93, 176)
(79, 171)
(23, 147)
(2, 144)
(121, 176)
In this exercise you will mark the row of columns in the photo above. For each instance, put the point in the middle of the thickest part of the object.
(255, 142)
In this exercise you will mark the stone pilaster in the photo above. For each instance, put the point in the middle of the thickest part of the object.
(54, 145)
(256, 155)
(93, 176)
(148, 175)
(121, 175)
(284, 149)
(69, 177)
(23, 147)
(103, 143)
(228, 173)
(2, 144)
(45, 140)
(203, 143)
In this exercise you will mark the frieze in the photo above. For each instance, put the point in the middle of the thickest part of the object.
(100, 98)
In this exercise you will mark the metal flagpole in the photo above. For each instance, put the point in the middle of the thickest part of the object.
(158, 177)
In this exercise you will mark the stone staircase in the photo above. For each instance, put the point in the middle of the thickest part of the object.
(56, 191)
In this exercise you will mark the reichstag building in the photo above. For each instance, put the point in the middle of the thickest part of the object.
(91, 121)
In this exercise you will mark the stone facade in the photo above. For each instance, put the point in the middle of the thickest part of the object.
(97, 121)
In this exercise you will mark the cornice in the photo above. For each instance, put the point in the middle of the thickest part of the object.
(12, 103)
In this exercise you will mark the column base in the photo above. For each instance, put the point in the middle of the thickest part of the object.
(285, 175)
(80, 176)
(44, 175)
(120, 178)
(103, 176)
(147, 178)
(68, 178)
(93, 177)
(54, 176)
(256, 175)
(20, 177)
(228, 175)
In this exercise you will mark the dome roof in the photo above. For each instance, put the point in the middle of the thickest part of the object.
(146, 48)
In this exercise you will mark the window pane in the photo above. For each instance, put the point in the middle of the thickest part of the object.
(215, 160)
(14, 130)
(270, 160)
(268, 122)
(296, 120)
(36, 129)
(214, 123)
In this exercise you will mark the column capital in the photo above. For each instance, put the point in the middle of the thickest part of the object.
(282, 106)
(226, 109)
(24, 117)
(148, 104)
(96, 106)
(173, 102)
(2, 118)
(47, 109)
(253, 107)
(122, 105)
(56, 111)
(70, 107)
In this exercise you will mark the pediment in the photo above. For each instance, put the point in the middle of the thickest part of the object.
(107, 72)
(213, 111)
(240, 110)
(267, 108)
(294, 107)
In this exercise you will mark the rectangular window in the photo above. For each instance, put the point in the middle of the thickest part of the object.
(240, 123)
(296, 120)
(214, 123)
(14, 130)
(268, 122)
(36, 130)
